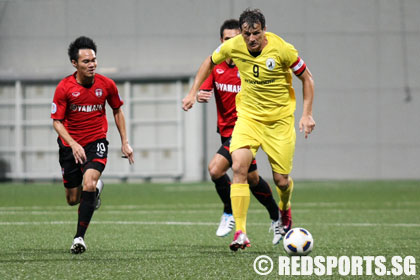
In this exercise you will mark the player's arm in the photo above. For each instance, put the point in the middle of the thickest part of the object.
(307, 123)
(203, 72)
(206, 89)
(120, 122)
(78, 151)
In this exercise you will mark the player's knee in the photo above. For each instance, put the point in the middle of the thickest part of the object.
(281, 181)
(240, 173)
(89, 186)
(240, 169)
(215, 171)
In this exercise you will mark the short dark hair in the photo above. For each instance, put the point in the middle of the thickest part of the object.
(229, 24)
(80, 43)
(252, 17)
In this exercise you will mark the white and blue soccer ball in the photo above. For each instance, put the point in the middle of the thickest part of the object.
(298, 242)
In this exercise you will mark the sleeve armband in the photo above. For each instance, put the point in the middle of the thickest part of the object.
(298, 67)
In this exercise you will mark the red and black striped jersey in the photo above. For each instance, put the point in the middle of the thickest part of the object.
(224, 80)
(82, 109)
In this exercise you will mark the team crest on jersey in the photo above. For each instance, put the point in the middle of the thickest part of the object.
(220, 71)
(98, 92)
(270, 63)
(75, 94)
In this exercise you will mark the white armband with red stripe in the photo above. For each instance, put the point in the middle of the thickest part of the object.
(298, 67)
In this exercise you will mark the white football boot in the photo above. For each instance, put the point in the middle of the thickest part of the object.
(240, 240)
(278, 231)
(78, 246)
(227, 223)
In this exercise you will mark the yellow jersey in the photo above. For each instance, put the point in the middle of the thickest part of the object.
(266, 91)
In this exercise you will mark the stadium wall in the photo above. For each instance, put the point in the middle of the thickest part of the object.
(363, 55)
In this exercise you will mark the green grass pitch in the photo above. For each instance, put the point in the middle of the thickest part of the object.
(167, 231)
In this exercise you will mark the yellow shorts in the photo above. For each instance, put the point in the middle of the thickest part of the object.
(277, 139)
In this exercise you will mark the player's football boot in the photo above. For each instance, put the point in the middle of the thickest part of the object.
(240, 240)
(227, 222)
(278, 231)
(78, 246)
(99, 187)
(286, 219)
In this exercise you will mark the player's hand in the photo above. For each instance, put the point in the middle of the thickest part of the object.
(306, 124)
(78, 153)
(204, 96)
(188, 102)
(128, 152)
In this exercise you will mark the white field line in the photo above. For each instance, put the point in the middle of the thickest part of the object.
(71, 211)
(321, 204)
(196, 223)
(131, 212)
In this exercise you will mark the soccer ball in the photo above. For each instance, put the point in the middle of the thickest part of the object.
(298, 242)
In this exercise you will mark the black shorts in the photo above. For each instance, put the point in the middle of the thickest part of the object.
(96, 154)
(224, 151)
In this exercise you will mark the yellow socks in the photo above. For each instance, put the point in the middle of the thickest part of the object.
(285, 196)
(240, 197)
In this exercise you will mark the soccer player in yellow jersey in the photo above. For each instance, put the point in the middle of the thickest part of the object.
(265, 106)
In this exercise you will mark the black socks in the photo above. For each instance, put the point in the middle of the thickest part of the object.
(86, 209)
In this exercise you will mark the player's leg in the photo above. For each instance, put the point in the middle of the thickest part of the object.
(96, 153)
(244, 146)
(72, 174)
(218, 166)
(73, 195)
(280, 151)
(72, 180)
(262, 191)
(240, 195)
(86, 209)
(217, 169)
(284, 187)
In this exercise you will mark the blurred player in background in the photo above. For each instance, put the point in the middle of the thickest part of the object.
(265, 106)
(78, 113)
(224, 83)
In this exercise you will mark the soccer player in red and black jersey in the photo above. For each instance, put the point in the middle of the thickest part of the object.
(78, 113)
(224, 82)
